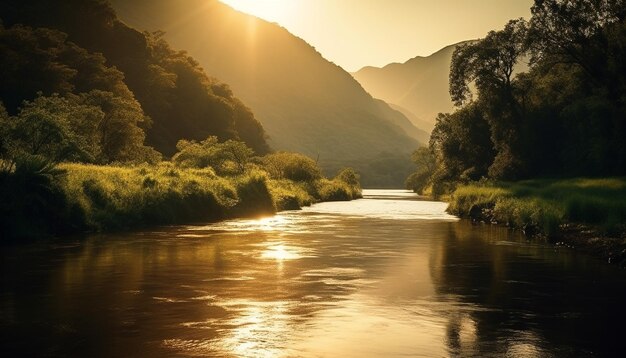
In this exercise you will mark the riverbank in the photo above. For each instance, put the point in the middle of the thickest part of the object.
(585, 214)
(74, 198)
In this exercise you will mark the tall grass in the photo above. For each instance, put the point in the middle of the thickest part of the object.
(545, 204)
(80, 197)
(124, 197)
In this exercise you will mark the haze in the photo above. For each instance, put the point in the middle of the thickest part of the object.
(357, 33)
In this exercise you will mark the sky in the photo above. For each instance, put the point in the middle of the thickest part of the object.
(358, 33)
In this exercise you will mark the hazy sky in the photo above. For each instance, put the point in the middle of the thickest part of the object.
(357, 33)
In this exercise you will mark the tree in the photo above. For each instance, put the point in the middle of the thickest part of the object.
(225, 158)
(490, 64)
(119, 127)
(43, 61)
(74, 129)
(45, 127)
(419, 180)
(571, 31)
(170, 85)
(349, 176)
(293, 166)
(237, 152)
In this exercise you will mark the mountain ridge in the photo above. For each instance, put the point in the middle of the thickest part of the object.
(419, 85)
(305, 102)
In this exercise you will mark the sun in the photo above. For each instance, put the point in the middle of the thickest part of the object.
(270, 10)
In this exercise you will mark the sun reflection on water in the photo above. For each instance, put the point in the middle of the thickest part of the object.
(280, 252)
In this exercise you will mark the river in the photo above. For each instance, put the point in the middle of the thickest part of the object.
(385, 276)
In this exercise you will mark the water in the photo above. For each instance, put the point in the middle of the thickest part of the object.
(387, 276)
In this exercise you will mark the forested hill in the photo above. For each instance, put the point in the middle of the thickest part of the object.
(418, 86)
(73, 47)
(305, 102)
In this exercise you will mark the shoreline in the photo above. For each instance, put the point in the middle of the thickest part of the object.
(583, 238)
(83, 199)
(586, 214)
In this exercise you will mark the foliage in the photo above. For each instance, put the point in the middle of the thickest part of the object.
(489, 62)
(426, 165)
(124, 197)
(254, 195)
(333, 190)
(42, 60)
(344, 186)
(182, 98)
(350, 177)
(462, 145)
(38, 198)
(72, 46)
(31, 204)
(290, 195)
(543, 205)
(565, 116)
(225, 158)
(292, 166)
(96, 127)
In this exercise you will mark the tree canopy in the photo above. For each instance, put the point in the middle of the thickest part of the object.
(77, 46)
(544, 97)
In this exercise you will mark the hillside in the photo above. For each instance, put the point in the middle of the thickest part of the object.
(418, 86)
(173, 91)
(306, 103)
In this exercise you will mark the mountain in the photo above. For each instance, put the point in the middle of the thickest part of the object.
(418, 87)
(306, 103)
(181, 100)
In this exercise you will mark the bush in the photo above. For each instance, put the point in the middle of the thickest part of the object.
(349, 177)
(289, 195)
(37, 198)
(333, 190)
(32, 204)
(125, 197)
(254, 196)
(292, 166)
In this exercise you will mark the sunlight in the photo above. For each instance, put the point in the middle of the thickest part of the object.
(271, 222)
(270, 10)
(279, 253)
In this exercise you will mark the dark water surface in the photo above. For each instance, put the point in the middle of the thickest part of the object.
(385, 276)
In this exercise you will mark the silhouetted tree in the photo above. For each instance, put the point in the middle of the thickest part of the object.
(490, 64)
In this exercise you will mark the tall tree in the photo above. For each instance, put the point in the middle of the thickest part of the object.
(490, 64)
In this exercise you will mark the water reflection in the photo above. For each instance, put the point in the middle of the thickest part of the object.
(365, 278)
(530, 299)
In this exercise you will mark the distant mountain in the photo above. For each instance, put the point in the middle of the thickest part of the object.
(417, 87)
(306, 103)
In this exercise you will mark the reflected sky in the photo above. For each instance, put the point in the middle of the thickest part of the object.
(381, 276)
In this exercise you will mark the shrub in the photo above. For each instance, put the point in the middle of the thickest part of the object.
(254, 196)
(289, 195)
(292, 166)
(333, 190)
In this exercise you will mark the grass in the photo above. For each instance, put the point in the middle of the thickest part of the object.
(543, 205)
(114, 198)
(80, 197)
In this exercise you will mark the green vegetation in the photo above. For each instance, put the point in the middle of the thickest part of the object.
(306, 103)
(564, 117)
(88, 109)
(39, 199)
(74, 47)
(542, 206)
